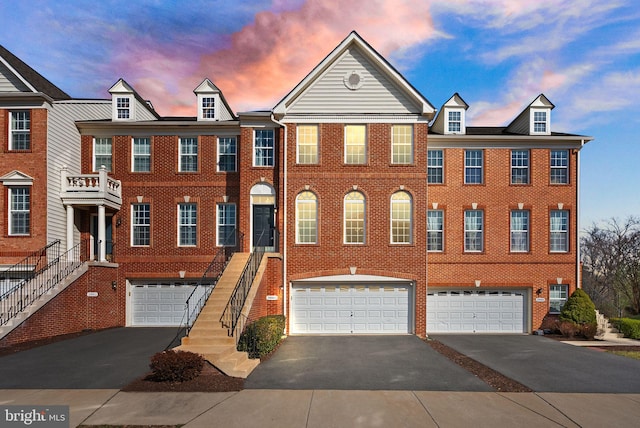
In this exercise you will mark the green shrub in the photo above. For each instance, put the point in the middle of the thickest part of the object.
(627, 326)
(175, 366)
(579, 309)
(262, 336)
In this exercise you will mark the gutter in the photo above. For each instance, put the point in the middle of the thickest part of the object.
(285, 285)
(578, 253)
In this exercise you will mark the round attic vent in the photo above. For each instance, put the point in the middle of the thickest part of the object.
(353, 80)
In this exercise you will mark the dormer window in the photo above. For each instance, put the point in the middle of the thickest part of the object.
(454, 121)
(540, 121)
(123, 106)
(208, 108)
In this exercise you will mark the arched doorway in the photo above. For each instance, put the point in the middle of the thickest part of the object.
(263, 213)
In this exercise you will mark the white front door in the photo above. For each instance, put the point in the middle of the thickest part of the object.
(476, 311)
(351, 309)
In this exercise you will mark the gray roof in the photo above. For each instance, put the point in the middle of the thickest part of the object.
(35, 79)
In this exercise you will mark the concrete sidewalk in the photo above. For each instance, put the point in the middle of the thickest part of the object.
(330, 408)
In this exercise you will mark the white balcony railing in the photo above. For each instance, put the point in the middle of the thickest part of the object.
(90, 188)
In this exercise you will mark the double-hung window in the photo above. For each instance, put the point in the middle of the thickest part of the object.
(473, 230)
(188, 154)
(140, 225)
(123, 107)
(354, 218)
(355, 144)
(19, 211)
(435, 230)
(208, 108)
(226, 220)
(141, 155)
(306, 218)
(473, 167)
(540, 122)
(102, 153)
(559, 233)
(227, 152)
(455, 122)
(402, 144)
(557, 297)
(20, 130)
(435, 166)
(519, 231)
(263, 146)
(559, 167)
(519, 166)
(401, 218)
(187, 225)
(307, 138)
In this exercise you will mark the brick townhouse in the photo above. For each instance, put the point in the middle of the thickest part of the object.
(379, 213)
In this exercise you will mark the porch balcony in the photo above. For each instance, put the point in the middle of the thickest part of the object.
(90, 189)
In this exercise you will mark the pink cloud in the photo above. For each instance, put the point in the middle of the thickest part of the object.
(494, 114)
(270, 56)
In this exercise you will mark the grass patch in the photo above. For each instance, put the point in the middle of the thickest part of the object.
(628, 354)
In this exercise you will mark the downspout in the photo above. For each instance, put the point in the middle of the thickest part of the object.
(578, 253)
(285, 285)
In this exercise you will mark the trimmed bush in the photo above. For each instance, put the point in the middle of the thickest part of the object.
(579, 309)
(628, 326)
(175, 366)
(262, 336)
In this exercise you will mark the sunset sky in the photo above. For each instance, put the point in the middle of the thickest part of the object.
(584, 55)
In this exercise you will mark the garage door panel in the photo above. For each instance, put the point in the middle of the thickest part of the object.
(475, 311)
(345, 309)
(161, 304)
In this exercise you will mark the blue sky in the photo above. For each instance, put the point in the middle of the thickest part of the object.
(584, 55)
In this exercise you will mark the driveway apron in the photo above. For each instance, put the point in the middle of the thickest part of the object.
(547, 365)
(108, 359)
(361, 363)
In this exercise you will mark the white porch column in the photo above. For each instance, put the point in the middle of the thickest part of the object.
(102, 234)
(69, 227)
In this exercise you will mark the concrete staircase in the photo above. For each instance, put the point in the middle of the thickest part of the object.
(207, 336)
(605, 330)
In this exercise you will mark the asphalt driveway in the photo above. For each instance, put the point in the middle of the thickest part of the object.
(108, 359)
(547, 365)
(361, 363)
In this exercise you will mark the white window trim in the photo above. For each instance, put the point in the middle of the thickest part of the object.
(216, 107)
(391, 218)
(96, 167)
(462, 121)
(366, 145)
(235, 155)
(441, 231)
(526, 231)
(132, 108)
(441, 167)
(298, 145)
(555, 299)
(140, 225)
(363, 202)
(411, 144)
(11, 130)
(481, 230)
(565, 168)
(180, 206)
(180, 154)
(547, 130)
(133, 154)
(481, 167)
(315, 201)
(218, 224)
(565, 232)
(527, 168)
(273, 148)
(10, 211)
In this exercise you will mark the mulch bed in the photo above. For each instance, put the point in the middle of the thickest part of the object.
(210, 380)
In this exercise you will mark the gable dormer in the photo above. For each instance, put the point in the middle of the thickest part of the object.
(535, 119)
(451, 119)
(123, 101)
(211, 104)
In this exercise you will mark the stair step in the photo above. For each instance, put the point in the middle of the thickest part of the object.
(209, 341)
(209, 352)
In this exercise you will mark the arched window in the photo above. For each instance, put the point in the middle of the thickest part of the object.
(401, 218)
(306, 218)
(354, 215)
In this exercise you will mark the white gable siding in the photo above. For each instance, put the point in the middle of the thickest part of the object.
(142, 112)
(9, 82)
(223, 112)
(63, 148)
(329, 95)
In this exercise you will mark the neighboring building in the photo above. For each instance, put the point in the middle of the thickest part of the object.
(379, 214)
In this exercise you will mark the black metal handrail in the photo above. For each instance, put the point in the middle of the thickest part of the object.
(49, 269)
(233, 310)
(210, 278)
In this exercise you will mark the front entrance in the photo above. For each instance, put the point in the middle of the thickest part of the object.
(263, 226)
(95, 245)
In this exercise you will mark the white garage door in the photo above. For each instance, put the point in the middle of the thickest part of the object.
(346, 309)
(161, 304)
(476, 311)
